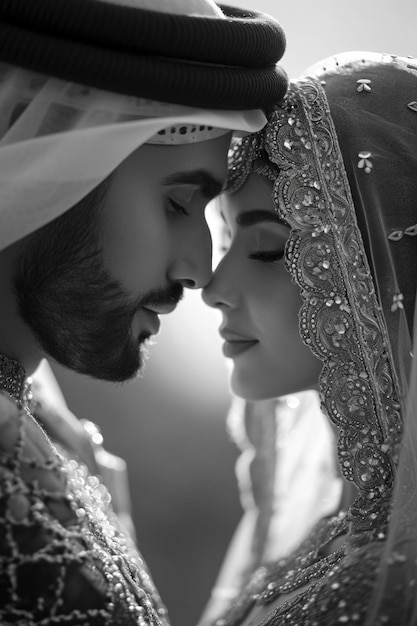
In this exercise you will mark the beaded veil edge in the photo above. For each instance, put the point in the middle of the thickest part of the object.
(340, 320)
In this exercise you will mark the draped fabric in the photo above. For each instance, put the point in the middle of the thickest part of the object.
(381, 134)
(165, 51)
(342, 151)
(285, 484)
(59, 140)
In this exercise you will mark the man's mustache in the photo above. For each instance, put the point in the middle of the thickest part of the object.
(171, 294)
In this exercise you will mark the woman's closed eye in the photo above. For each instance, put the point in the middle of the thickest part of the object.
(266, 243)
(267, 256)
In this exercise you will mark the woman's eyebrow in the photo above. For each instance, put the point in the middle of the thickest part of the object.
(250, 218)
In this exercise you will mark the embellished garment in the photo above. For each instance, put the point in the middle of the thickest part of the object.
(341, 151)
(286, 485)
(65, 557)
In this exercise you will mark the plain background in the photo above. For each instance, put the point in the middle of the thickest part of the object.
(169, 426)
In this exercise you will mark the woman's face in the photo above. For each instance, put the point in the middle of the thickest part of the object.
(258, 300)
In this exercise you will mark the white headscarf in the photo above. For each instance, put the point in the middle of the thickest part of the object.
(59, 140)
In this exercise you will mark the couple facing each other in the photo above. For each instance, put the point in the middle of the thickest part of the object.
(70, 290)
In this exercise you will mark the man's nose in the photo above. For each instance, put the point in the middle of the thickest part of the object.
(192, 267)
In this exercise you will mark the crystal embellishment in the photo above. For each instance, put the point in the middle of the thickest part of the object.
(364, 162)
(12, 378)
(364, 85)
(397, 302)
(396, 235)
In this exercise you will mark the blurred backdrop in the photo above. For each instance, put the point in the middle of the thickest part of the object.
(169, 425)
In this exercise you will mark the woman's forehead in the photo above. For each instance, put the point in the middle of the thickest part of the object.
(255, 194)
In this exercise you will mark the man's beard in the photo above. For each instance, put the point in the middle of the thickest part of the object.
(80, 316)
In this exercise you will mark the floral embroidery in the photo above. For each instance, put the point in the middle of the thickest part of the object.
(396, 235)
(349, 388)
(397, 302)
(364, 85)
(364, 162)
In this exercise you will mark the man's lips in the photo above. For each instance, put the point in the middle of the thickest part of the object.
(150, 317)
(235, 343)
(152, 313)
(153, 322)
(161, 308)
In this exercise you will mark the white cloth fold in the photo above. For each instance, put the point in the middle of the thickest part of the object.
(59, 140)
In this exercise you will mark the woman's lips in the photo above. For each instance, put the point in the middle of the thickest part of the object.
(235, 343)
(233, 348)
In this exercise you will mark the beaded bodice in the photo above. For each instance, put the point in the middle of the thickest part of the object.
(65, 558)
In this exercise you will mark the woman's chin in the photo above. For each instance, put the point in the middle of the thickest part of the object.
(256, 385)
(252, 388)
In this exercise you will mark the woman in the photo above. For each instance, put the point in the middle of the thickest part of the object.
(340, 156)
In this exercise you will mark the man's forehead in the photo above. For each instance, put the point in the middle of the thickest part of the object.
(209, 183)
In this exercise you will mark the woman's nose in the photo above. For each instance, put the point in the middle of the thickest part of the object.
(220, 292)
(208, 294)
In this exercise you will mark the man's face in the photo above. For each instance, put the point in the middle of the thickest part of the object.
(92, 284)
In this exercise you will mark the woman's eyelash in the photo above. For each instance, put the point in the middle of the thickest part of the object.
(178, 208)
(267, 256)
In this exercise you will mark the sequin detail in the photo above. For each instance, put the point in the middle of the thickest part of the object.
(365, 162)
(65, 559)
(242, 156)
(397, 302)
(364, 85)
(396, 235)
(12, 378)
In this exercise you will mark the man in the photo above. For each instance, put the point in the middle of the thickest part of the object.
(115, 126)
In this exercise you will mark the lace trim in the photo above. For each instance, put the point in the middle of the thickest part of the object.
(340, 319)
(241, 157)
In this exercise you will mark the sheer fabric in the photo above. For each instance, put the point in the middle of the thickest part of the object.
(385, 126)
(341, 150)
(285, 484)
(291, 483)
(59, 140)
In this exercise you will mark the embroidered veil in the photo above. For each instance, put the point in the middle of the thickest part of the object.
(341, 151)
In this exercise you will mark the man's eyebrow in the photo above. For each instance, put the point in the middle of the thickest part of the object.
(210, 186)
(250, 218)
